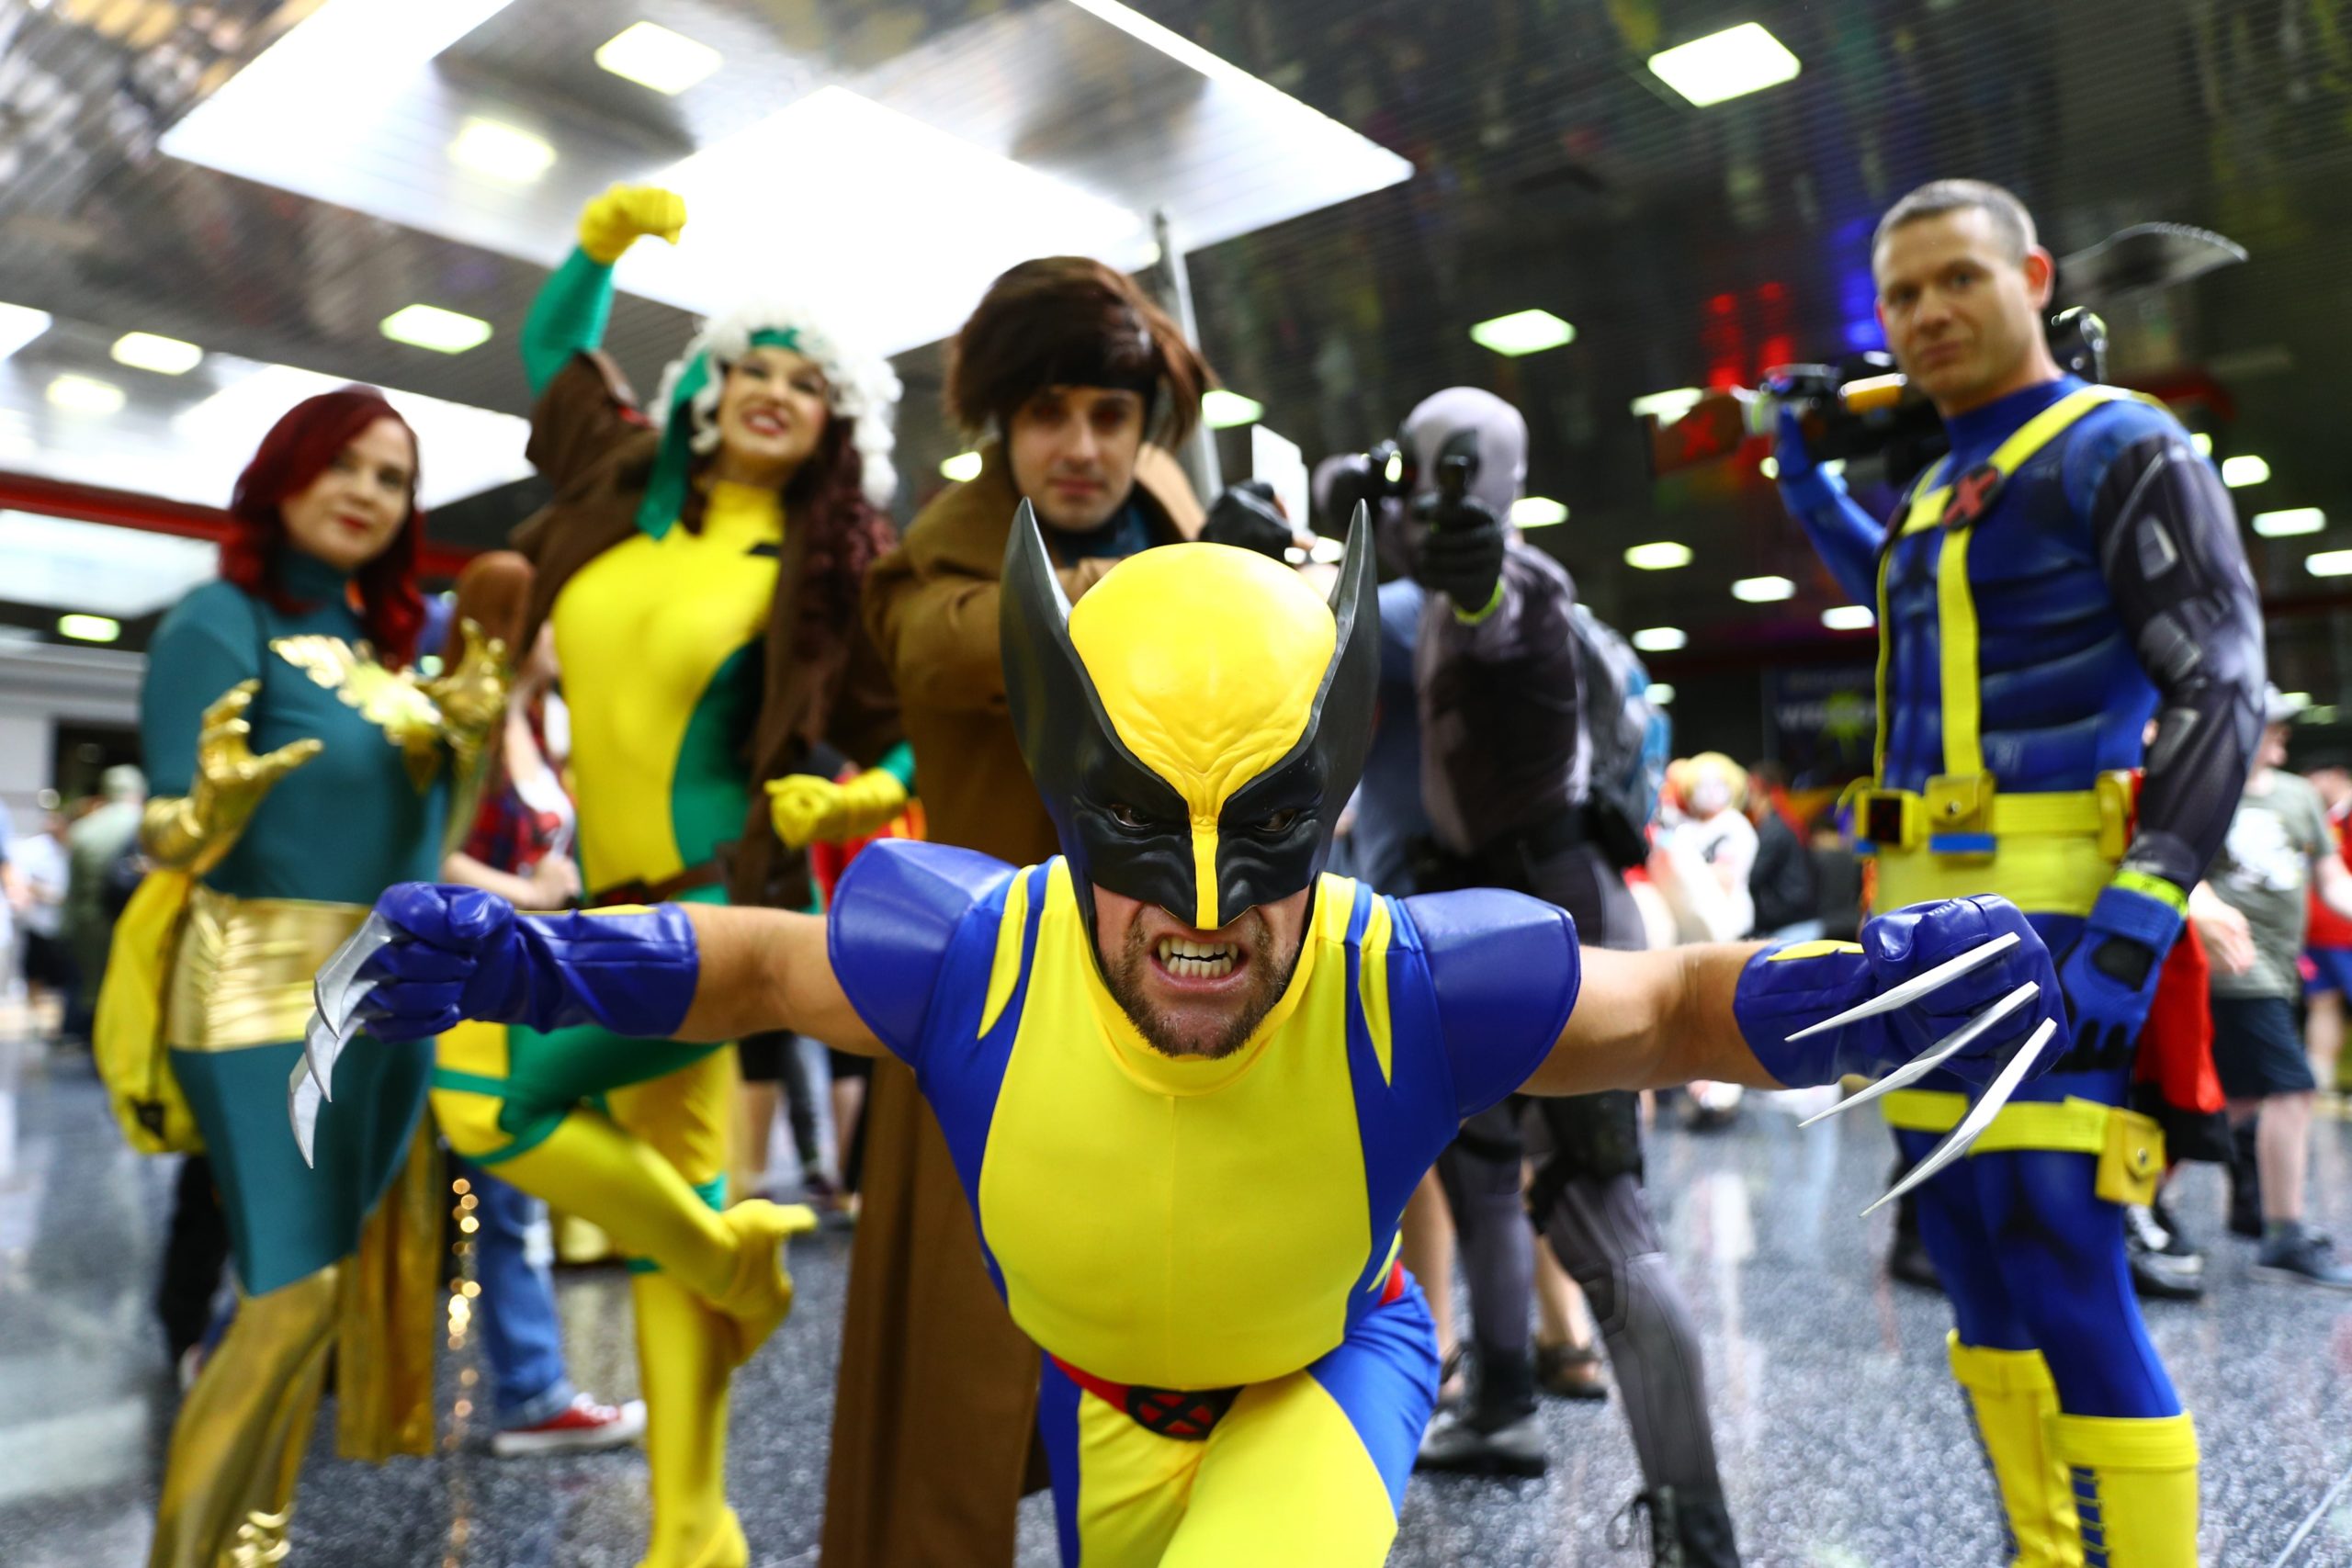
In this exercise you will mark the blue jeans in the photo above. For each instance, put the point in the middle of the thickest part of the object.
(516, 1307)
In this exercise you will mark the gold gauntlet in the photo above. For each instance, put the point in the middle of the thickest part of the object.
(472, 695)
(193, 831)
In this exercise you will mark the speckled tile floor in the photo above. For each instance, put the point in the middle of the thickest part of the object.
(1843, 1445)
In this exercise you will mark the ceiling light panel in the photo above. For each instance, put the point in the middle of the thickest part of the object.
(84, 394)
(2329, 563)
(496, 151)
(1763, 589)
(2289, 522)
(2243, 469)
(1537, 512)
(962, 467)
(1849, 618)
(430, 326)
(655, 57)
(1660, 639)
(1523, 332)
(1668, 406)
(1658, 554)
(164, 356)
(1223, 409)
(1728, 65)
(19, 324)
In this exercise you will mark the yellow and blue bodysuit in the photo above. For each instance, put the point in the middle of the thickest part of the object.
(1206, 1249)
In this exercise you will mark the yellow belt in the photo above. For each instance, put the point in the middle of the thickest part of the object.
(2048, 852)
(2130, 1146)
(243, 971)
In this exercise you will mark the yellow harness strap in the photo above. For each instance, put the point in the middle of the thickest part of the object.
(1955, 608)
(2130, 1146)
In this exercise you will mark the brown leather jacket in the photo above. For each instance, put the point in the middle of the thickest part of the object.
(593, 443)
(931, 606)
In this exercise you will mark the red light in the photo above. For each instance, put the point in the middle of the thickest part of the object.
(1772, 291)
(1724, 304)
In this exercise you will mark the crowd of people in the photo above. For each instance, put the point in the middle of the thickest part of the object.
(798, 755)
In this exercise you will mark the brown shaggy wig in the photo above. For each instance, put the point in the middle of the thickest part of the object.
(1072, 321)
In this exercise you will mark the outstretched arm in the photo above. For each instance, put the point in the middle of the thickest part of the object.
(571, 309)
(432, 957)
(1847, 538)
(1747, 1013)
(1651, 1019)
(768, 969)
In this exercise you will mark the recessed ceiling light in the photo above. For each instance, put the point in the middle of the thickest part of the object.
(1849, 618)
(429, 326)
(1763, 589)
(1668, 406)
(2203, 442)
(2293, 520)
(1726, 65)
(84, 394)
(2295, 699)
(2329, 563)
(1523, 332)
(1659, 555)
(1659, 692)
(1660, 639)
(2246, 469)
(1537, 512)
(1769, 468)
(657, 58)
(164, 356)
(19, 324)
(962, 467)
(1221, 410)
(501, 152)
(89, 628)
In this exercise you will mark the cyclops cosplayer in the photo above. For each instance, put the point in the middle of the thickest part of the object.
(1187, 1078)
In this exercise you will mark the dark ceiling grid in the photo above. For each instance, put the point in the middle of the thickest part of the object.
(1551, 169)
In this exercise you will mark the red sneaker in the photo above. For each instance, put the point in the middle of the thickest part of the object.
(584, 1426)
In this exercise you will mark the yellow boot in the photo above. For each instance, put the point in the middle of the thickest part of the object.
(2013, 1398)
(2135, 1486)
(234, 1439)
(683, 1352)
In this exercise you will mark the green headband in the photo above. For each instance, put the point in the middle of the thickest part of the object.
(665, 491)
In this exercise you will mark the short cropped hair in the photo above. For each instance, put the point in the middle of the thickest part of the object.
(1072, 320)
(2010, 219)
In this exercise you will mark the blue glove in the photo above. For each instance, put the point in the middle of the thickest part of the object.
(459, 953)
(1805, 486)
(2110, 973)
(1789, 988)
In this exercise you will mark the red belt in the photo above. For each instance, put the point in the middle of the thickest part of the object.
(1189, 1415)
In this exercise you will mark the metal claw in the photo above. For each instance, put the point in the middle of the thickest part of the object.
(1935, 1055)
(1957, 1141)
(1919, 985)
(302, 1102)
(338, 992)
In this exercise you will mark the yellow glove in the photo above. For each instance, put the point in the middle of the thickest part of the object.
(805, 808)
(612, 222)
(193, 831)
(472, 695)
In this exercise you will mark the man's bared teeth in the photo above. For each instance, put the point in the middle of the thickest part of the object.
(1196, 960)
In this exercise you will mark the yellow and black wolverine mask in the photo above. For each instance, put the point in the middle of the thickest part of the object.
(1196, 724)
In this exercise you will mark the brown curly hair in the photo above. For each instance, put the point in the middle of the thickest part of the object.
(1072, 320)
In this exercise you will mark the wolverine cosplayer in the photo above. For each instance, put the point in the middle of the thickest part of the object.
(1187, 1078)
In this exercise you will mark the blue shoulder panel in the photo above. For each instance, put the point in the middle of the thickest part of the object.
(1505, 969)
(893, 917)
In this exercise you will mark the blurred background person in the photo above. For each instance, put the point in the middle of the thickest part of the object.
(2278, 854)
(2327, 942)
(43, 871)
(519, 847)
(102, 866)
(1513, 695)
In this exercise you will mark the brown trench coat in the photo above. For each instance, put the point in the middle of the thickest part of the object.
(590, 442)
(937, 1399)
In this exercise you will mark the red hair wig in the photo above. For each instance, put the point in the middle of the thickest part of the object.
(294, 454)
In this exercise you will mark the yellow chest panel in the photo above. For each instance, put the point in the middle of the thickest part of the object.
(1178, 1223)
(641, 632)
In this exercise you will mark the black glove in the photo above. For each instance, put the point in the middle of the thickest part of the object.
(1246, 517)
(1461, 554)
